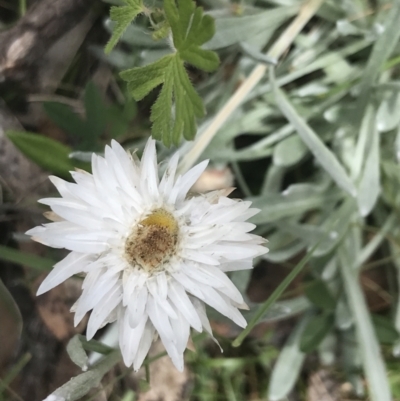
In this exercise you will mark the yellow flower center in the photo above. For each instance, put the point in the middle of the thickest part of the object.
(153, 241)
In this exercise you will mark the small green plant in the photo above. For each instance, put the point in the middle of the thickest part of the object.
(178, 105)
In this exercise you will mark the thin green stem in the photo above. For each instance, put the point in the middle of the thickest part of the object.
(22, 7)
(25, 259)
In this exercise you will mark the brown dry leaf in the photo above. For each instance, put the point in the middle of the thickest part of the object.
(54, 309)
(323, 386)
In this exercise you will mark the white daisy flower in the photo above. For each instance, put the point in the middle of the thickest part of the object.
(152, 255)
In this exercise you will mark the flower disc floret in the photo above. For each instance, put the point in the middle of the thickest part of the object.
(152, 256)
(153, 242)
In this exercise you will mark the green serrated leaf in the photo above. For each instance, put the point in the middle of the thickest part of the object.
(159, 113)
(45, 152)
(123, 16)
(175, 111)
(144, 79)
(206, 60)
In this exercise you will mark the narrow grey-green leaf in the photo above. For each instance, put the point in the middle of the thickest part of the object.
(77, 353)
(289, 151)
(320, 151)
(388, 116)
(277, 206)
(365, 134)
(370, 187)
(374, 365)
(382, 49)
(287, 367)
(80, 385)
(231, 30)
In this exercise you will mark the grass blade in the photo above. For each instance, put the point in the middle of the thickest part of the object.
(26, 259)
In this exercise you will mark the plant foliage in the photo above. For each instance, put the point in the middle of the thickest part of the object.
(178, 105)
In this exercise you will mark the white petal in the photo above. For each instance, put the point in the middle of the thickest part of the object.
(180, 299)
(235, 250)
(234, 265)
(215, 300)
(182, 186)
(95, 287)
(149, 172)
(129, 339)
(102, 310)
(162, 285)
(159, 319)
(198, 256)
(213, 277)
(137, 306)
(181, 328)
(168, 178)
(188, 284)
(144, 345)
(123, 175)
(201, 311)
(162, 302)
(162, 324)
(128, 164)
(72, 264)
(62, 186)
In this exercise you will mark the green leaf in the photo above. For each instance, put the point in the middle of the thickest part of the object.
(384, 329)
(26, 259)
(65, 118)
(10, 327)
(96, 116)
(123, 16)
(319, 294)
(175, 111)
(315, 331)
(45, 152)
(88, 129)
(141, 80)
